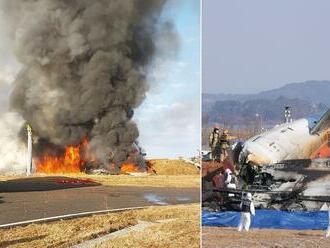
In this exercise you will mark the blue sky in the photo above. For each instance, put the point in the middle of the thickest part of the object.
(169, 119)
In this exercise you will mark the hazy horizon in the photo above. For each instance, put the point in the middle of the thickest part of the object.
(268, 89)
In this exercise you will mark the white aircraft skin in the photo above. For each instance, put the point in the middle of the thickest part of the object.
(294, 140)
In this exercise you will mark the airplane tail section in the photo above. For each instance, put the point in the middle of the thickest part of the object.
(323, 124)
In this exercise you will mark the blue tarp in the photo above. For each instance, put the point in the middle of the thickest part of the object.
(304, 220)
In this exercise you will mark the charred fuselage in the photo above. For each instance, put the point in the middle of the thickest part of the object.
(280, 169)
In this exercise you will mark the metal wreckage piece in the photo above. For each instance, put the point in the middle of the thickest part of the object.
(276, 167)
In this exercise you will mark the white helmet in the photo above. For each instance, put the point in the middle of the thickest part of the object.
(228, 171)
(249, 196)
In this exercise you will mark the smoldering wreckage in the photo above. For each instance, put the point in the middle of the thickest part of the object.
(84, 71)
(285, 168)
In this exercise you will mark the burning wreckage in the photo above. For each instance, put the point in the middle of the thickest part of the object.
(286, 168)
(84, 70)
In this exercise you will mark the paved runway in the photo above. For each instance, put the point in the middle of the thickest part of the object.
(27, 199)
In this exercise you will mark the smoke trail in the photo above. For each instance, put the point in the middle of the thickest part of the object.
(84, 69)
(13, 151)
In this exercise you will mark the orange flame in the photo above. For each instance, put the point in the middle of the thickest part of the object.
(129, 168)
(71, 162)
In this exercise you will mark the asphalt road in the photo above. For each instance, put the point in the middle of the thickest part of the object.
(28, 199)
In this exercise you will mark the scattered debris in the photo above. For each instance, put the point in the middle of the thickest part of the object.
(74, 181)
(195, 161)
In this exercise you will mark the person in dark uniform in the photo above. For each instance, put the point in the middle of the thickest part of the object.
(214, 143)
(224, 144)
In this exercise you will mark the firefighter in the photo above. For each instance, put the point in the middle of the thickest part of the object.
(224, 145)
(247, 208)
(214, 144)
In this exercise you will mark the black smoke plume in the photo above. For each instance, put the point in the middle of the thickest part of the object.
(84, 69)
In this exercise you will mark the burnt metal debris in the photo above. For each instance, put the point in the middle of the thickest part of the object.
(280, 186)
(285, 168)
(303, 179)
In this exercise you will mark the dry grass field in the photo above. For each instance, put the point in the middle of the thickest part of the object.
(223, 237)
(181, 231)
(171, 167)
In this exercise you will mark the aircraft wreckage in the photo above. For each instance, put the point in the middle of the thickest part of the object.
(286, 168)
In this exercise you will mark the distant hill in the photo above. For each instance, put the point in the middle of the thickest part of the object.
(237, 109)
(312, 91)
